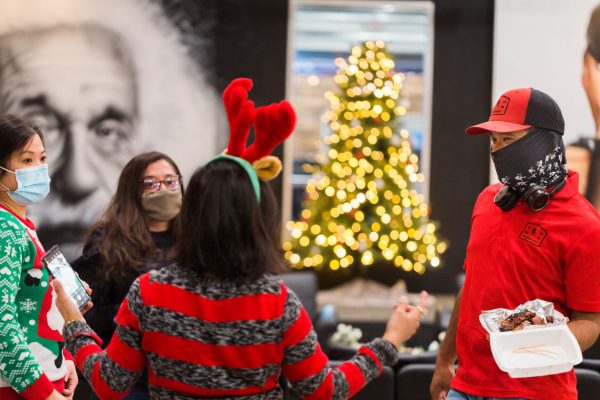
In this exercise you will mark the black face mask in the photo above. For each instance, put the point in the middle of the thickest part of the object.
(538, 158)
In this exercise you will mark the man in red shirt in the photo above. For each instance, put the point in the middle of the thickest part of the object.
(533, 236)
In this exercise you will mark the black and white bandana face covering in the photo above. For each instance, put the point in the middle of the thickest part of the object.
(538, 158)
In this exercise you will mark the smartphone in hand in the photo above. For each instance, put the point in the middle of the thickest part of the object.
(61, 270)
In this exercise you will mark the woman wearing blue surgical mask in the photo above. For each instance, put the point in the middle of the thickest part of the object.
(134, 236)
(33, 361)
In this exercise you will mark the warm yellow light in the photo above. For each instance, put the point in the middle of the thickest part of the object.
(331, 240)
(320, 240)
(340, 252)
(359, 216)
(419, 268)
(367, 258)
(344, 262)
(388, 254)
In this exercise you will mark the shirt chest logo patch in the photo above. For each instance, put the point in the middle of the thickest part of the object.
(533, 234)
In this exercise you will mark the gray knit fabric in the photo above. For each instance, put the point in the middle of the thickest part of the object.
(237, 333)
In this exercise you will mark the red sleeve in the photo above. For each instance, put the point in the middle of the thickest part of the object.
(123, 356)
(309, 373)
(39, 390)
(68, 356)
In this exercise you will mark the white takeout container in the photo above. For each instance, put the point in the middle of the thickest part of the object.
(536, 351)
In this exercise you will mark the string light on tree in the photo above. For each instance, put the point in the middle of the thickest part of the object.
(361, 204)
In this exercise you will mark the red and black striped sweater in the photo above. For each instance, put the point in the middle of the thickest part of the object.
(217, 338)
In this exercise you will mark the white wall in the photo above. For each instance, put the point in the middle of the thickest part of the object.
(540, 44)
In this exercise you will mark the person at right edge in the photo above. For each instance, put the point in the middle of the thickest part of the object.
(590, 80)
(533, 236)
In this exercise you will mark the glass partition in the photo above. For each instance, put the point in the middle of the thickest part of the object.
(321, 32)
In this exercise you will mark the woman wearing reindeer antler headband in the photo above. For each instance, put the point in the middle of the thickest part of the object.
(217, 323)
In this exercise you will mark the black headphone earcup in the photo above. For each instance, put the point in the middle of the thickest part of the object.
(506, 198)
(536, 198)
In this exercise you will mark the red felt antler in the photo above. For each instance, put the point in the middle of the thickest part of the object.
(274, 123)
(240, 114)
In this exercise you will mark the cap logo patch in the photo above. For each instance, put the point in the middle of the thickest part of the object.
(533, 234)
(501, 106)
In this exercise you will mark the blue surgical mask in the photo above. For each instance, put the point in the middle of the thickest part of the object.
(33, 184)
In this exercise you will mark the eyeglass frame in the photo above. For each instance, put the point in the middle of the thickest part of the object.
(161, 182)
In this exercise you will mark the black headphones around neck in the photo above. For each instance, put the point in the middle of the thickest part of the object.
(536, 197)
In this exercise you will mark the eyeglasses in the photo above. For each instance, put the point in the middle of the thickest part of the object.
(171, 182)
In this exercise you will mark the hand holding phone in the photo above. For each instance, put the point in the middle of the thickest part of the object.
(62, 271)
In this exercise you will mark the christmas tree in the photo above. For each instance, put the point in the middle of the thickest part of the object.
(362, 204)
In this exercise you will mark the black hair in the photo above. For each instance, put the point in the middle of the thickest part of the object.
(15, 133)
(225, 231)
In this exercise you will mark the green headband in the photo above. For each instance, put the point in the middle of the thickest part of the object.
(247, 167)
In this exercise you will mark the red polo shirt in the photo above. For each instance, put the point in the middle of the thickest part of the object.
(517, 256)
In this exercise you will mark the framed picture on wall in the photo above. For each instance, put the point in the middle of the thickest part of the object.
(321, 32)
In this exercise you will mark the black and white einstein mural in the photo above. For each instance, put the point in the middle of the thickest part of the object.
(105, 80)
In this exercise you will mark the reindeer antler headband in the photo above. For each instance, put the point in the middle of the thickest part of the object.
(272, 125)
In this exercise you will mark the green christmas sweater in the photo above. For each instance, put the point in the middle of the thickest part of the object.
(31, 345)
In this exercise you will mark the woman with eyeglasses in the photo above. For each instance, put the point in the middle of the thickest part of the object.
(135, 235)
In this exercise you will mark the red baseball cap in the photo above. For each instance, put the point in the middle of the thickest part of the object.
(520, 109)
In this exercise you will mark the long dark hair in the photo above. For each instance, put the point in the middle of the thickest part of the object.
(126, 242)
(227, 233)
(15, 133)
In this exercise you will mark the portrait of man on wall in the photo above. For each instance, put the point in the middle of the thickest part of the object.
(102, 90)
